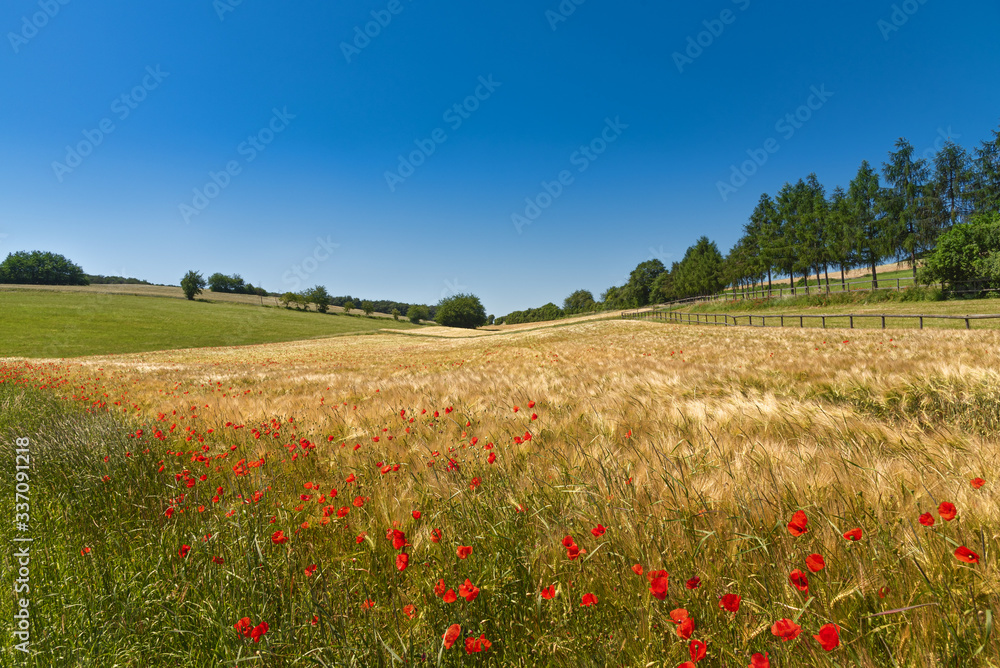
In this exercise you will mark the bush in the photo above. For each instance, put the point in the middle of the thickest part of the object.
(40, 268)
(417, 312)
(463, 310)
(967, 253)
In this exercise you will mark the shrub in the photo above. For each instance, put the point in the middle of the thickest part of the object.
(418, 312)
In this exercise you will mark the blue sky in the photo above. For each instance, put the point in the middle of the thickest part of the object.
(309, 115)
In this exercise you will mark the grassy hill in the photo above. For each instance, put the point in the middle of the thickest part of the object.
(40, 323)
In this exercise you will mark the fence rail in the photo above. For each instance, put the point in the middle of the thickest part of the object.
(753, 320)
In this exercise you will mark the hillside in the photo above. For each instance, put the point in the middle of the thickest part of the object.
(70, 323)
(167, 291)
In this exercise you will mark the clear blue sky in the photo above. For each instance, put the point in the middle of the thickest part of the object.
(221, 69)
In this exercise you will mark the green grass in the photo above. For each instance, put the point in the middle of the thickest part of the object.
(59, 324)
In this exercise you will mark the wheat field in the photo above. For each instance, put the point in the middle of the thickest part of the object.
(624, 493)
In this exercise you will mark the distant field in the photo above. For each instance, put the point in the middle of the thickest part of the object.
(37, 323)
(167, 291)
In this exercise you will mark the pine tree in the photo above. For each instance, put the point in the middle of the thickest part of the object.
(871, 235)
(905, 203)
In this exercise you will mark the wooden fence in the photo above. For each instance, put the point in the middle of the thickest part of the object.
(726, 320)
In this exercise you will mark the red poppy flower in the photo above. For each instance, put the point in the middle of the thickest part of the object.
(567, 541)
(343, 511)
(451, 635)
(368, 604)
(697, 650)
(977, 483)
(730, 602)
(799, 580)
(183, 552)
(588, 600)
(760, 661)
(218, 560)
(468, 591)
(358, 501)
(436, 535)
(572, 552)
(397, 537)
(492, 457)
(439, 588)
(449, 596)
(947, 511)
(258, 631)
(598, 531)
(475, 482)
(686, 664)
(480, 644)
(685, 628)
(797, 526)
(829, 637)
(549, 593)
(410, 611)
(786, 629)
(853, 534)
(678, 615)
(927, 520)
(637, 569)
(279, 537)
(968, 556)
(815, 563)
(693, 583)
(361, 538)
(243, 627)
(464, 551)
(402, 561)
(170, 512)
(416, 514)
(531, 404)
(310, 570)
(85, 551)
(658, 586)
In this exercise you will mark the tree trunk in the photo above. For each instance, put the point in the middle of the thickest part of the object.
(913, 264)
(805, 275)
(874, 277)
(768, 282)
(826, 273)
(843, 279)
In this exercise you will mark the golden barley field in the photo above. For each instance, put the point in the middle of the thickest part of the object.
(601, 493)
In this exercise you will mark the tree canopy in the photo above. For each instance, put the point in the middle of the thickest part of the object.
(40, 268)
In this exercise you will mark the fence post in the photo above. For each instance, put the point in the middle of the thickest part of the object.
(897, 285)
(852, 321)
(883, 322)
(782, 321)
(967, 324)
(921, 322)
(824, 321)
(800, 322)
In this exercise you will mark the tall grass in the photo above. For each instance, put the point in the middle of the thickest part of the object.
(693, 448)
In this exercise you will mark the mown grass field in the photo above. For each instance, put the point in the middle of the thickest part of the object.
(571, 495)
(39, 323)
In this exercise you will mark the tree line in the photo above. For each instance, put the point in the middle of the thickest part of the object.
(898, 212)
